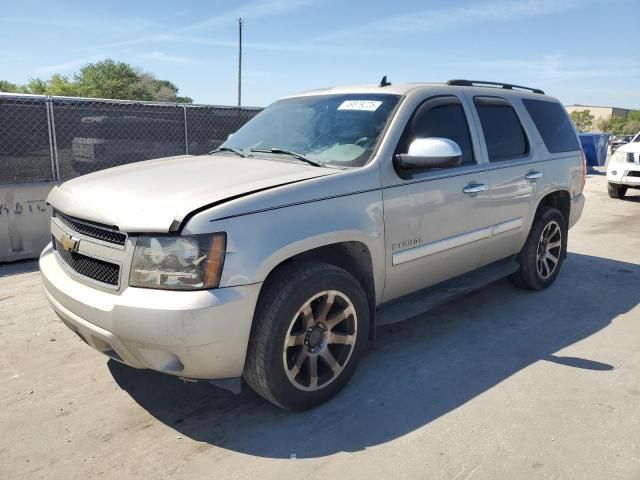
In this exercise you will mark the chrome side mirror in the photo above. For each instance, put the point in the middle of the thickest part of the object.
(427, 153)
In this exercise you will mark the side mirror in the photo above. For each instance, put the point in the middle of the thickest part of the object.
(427, 153)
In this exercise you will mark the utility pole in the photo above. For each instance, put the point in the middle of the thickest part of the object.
(239, 62)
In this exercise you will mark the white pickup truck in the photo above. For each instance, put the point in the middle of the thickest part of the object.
(623, 169)
(275, 257)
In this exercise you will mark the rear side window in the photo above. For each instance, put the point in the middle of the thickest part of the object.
(441, 117)
(553, 124)
(503, 132)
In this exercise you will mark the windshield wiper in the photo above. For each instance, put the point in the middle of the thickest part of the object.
(229, 149)
(297, 155)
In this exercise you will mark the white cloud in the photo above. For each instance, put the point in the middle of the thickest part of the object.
(163, 57)
(552, 67)
(255, 9)
(68, 67)
(433, 20)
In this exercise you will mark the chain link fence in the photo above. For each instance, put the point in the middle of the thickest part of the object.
(58, 138)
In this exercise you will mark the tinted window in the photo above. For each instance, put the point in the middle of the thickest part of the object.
(503, 132)
(441, 118)
(553, 124)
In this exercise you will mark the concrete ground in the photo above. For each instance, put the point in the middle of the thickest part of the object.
(502, 383)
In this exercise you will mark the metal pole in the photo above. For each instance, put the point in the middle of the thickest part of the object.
(186, 131)
(55, 141)
(239, 62)
(47, 103)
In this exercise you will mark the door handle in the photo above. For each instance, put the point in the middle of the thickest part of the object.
(533, 175)
(474, 188)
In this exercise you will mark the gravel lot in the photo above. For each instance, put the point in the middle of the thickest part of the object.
(499, 384)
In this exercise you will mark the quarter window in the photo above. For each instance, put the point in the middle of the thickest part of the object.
(440, 117)
(503, 132)
(553, 124)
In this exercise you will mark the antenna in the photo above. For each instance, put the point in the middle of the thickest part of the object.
(384, 82)
(239, 62)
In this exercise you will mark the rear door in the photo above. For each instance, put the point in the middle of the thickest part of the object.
(514, 173)
(436, 225)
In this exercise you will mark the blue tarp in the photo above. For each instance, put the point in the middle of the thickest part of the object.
(595, 148)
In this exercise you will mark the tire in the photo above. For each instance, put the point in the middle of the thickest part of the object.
(284, 374)
(616, 191)
(537, 270)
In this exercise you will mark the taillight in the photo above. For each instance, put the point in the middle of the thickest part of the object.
(584, 170)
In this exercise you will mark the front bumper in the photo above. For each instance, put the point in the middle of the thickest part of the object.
(624, 173)
(201, 334)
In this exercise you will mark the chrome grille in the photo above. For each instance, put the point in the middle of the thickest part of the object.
(92, 230)
(93, 268)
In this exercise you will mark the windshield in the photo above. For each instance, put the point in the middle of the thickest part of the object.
(332, 130)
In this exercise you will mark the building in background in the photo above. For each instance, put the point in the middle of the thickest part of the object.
(598, 113)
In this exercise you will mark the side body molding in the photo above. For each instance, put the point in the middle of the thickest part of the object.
(432, 248)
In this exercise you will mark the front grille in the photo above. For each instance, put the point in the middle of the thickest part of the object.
(92, 230)
(98, 270)
(630, 157)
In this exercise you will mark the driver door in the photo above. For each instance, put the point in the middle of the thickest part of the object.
(437, 222)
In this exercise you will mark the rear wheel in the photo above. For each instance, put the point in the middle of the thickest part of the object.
(616, 191)
(310, 329)
(543, 253)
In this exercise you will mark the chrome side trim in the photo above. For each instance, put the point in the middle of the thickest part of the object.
(506, 226)
(439, 246)
(432, 248)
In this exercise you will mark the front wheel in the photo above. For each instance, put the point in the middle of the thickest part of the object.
(616, 191)
(544, 251)
(310, 329)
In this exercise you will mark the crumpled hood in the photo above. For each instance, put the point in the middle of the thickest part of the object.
(150, 196)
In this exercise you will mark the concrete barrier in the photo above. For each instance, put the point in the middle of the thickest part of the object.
(24, 220)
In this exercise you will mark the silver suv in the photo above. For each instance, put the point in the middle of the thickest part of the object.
(275, 257)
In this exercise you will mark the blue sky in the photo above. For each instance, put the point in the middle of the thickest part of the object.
(580, 51)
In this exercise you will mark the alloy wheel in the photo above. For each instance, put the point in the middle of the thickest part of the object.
(320, 340)
(549, 250)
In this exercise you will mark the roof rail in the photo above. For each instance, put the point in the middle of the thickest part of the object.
(477, 83)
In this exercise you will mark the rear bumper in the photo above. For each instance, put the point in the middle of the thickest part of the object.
(201, 334)
(577, 206)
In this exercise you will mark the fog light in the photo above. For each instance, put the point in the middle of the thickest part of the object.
(613, 172)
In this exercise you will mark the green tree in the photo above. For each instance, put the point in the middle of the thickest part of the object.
(61, 85)
(107, 79)
(582, 119)
(631, 127)
(9, 87)
(634, 115)
(37, 86)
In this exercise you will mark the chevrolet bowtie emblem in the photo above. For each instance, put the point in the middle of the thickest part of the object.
(69, 243)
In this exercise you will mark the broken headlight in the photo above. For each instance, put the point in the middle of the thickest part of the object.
(188, 262)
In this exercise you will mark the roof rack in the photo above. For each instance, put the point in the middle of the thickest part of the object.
(477, 83)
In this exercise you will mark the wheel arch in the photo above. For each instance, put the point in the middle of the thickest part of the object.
(351, 255)
(560, 199)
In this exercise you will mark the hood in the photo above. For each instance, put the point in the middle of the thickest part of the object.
(153, 195)
(630, 147)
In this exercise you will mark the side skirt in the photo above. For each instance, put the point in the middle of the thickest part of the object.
(416, 303)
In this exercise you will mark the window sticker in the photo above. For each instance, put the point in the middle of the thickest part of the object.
(361, 105)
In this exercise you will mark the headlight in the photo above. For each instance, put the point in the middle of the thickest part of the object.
(178, 263)
(618, 156)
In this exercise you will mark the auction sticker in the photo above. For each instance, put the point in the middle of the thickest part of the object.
(362, 105)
